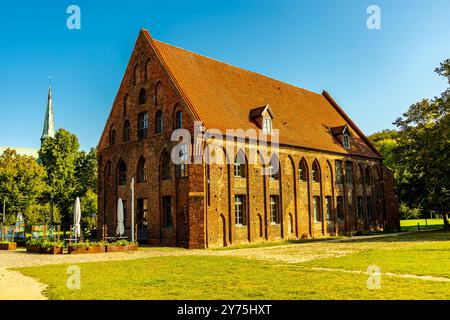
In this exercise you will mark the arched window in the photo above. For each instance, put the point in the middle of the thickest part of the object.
(141, 170)
(142, 125)
(303, 171)
(122, 174)
(178, 120)
(274, 167)
(360, 175)
(367, 176)
(112, 136)
(165, 166)
(126, 131)
(316, 171)
(159, 123)
(142, 96)
(125, 105)
(239, 165)
(136, 75)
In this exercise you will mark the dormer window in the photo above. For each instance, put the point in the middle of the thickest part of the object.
(342, 134)
(267, 125)
(262, 117)
(346, 140)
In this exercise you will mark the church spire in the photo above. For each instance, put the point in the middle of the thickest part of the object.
(49, 129)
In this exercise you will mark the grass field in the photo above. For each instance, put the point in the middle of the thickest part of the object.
(424, 224)
(212, 276)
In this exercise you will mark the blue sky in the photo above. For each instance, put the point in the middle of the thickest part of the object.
(375, 75)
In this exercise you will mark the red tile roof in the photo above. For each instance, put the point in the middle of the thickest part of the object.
(222, 97)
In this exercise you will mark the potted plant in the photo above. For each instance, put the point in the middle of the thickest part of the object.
(121, 245)
(45, 246)
(86, 247)
(7, 245)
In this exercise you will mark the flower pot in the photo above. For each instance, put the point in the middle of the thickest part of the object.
(33, 248)
(52, 250)
(81, 250)
(128, 247)
(8, 246)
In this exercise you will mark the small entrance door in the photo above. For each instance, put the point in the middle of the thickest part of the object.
(141, 220)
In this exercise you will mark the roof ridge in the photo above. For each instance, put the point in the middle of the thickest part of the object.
(236, 67)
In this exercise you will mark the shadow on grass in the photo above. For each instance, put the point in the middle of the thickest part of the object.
(434, 235)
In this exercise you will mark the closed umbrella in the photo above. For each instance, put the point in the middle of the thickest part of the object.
(120, 227)
(77, 218)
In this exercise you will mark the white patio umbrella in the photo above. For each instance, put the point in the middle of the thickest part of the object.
(120, 227)
(77, 218)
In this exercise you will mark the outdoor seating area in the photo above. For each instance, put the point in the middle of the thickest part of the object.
(43, 239)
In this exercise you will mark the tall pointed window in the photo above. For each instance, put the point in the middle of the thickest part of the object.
(316, 171)
(239, 210)
(274, 168)
(159, 123)
(339, 176)
(142, 96)
(178, 120)
(112, 136)
(182, 168)
(349, 172)
(141, 170)
(275, 210)
(367, 177)
(125, 105)
(165, 166)
(239, 165)
(303, 171)
(122, 174)
(142, 125)
(126, 131)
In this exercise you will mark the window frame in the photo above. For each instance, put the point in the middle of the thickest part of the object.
(142, 125)
(240, 212)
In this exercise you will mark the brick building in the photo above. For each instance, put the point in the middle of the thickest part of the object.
(330, 178)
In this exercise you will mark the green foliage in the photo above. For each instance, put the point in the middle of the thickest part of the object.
(22, 182)
(89, 212)
(70, 173)
(120, 243)
(86, 244)
(422, 153)
(36, 213)
(46, 244)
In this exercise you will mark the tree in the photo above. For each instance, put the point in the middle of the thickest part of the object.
(86, 171)
(423, 152)
(22, 182)
(89, 210)
(59, 155)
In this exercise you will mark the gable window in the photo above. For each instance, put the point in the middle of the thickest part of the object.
(142, 125)
(339, 176)
(239, 210)
(122, 176)
(349, 172)
(302, 171)
(316, 209)
(274, 210)
(239, 165)
(316, 172)
(178, 120)
(112, 136)
(142, 96)
(159, 124)
(267, 125)
(167, 211)
(141, 170)
(126, 131)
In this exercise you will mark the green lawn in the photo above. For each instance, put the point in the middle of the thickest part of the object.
(230, 277)
(424, 224)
